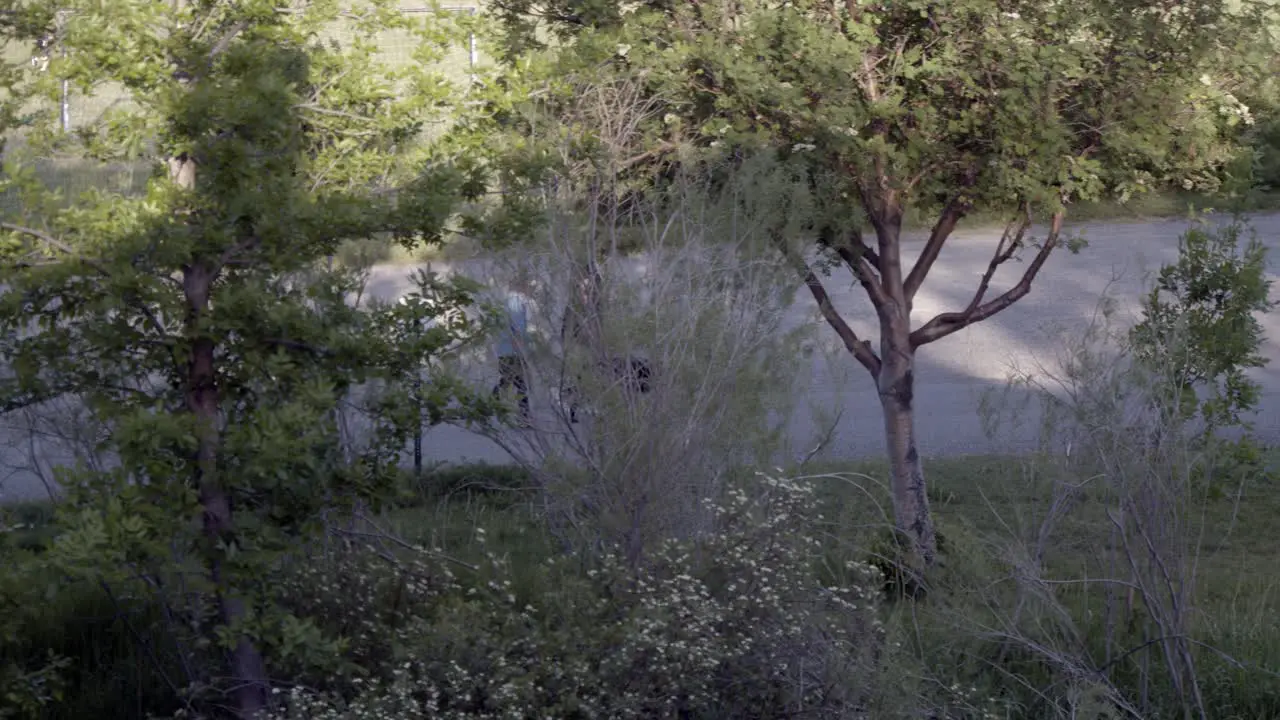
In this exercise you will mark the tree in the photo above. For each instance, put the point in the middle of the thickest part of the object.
(877, 108)
(194, 319)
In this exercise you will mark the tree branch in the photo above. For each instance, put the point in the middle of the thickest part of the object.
(942, 230)
(867, 275)
(662, 149)
(298, 346)
(948, 323)
(224, 42)
(40, 235)
(22, 402)
(879, 217)
(230, 256)
(860, 349)
(849, 248)
(66, 249)
(315, 107)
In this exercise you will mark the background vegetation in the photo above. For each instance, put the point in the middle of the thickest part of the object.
(238, 535)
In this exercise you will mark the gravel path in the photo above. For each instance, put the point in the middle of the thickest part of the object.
(953, 373)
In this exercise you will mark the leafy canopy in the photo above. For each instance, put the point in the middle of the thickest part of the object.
(980, 103)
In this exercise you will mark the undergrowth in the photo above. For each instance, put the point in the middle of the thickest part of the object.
(460, 606)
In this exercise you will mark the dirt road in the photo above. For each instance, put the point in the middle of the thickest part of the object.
(953, 373)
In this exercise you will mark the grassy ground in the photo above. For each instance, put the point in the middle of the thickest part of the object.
(990, 510)
(985, 496)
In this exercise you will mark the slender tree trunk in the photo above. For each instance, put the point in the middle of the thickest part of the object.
(248, 671)
(912, 516)
(895, 381)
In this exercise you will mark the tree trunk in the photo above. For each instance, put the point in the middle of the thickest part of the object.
(248, 671)
(912, 516)
(896, 385)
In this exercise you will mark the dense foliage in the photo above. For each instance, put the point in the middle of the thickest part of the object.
(222, 544)
(194, 321)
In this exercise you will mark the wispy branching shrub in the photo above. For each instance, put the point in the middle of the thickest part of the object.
(677, 363)
(1132, 459)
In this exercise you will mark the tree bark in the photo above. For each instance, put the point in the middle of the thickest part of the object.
(895, 383)
(912, 516)
(248, 670)
(892, 370)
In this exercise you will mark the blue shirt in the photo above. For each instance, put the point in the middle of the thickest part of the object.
(517, 328)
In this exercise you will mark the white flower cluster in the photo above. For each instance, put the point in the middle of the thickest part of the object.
(1231, 107)
(367, 601)
(734, 624)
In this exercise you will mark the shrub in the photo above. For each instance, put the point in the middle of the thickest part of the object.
(31, 677)
(71, 649)
(733, 624)
(1104, 602)
(1200, 334)
(615, 460)
(362, 601)
(1199, 330)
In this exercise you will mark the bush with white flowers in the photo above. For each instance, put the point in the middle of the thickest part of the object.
(366, 603)
(733, 624)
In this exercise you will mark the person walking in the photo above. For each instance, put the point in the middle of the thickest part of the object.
(511, 347)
